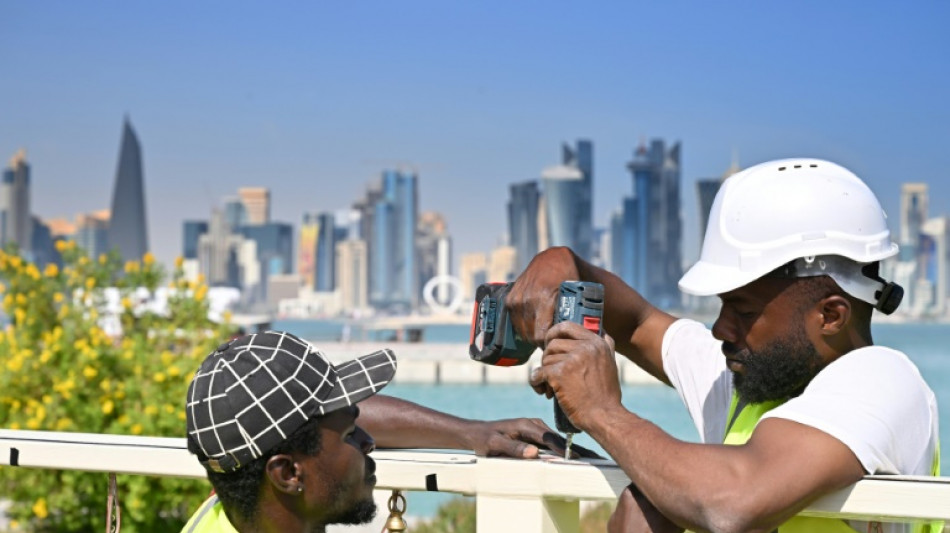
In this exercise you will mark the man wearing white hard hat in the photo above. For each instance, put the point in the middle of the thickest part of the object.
(789, 393)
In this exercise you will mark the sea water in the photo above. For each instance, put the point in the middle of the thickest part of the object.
(927, 344)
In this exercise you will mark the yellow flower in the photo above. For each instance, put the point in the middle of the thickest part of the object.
(148, 258)
(131, 266)
(159, 377)
(151, 410)
(63, 424)
(21, 299)
(169, 408)
(179, 261)
(126, 303)
(103, 258)
(136, 429)
(89, 372)
(61, 246)
(33, 424)
(90, 283)
(201, 292)
(107, 407)
(51, 270)
(58, 297)
(174, 371)
(32, 271)
(39, 508)
(2, 287)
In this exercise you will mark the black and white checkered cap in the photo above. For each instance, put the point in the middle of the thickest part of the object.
(250, 394)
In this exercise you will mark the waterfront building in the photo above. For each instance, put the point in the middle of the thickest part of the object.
(218, 253)
(352, 281)
(273, 255)
(563, 185)
(92, 232)
(256, 201)
(128, 230)
(316, 260)
(235, 214)
(16, 220)
(389, 218)
(501, 265)
(656, 224)
(473, 271)
(581, 157)
(435, 252)
(192, 230)
(935, 265)
(523, 205)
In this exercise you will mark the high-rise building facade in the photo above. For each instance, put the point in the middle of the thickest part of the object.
(523, 205)
(256, 202)
(563, 185)
(914, 207)
(434, 252)
(653, 219)
(389, 220)
(92, 232)
(352, 280)
(192, 230)
(325, 257)
(128, 230)
(581, 157)
(16, 220)
(473, 271)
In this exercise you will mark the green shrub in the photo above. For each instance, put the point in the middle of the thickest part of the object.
(61, 371)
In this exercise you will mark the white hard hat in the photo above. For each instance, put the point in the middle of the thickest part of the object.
(776, 212)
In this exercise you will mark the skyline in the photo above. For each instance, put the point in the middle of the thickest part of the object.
(315, 103)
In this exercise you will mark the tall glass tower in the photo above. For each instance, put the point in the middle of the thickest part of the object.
(393, 212)
(128, 232)
(581, 157)
(562, 187)
(523, 222)
(16, 221)
(656, 224)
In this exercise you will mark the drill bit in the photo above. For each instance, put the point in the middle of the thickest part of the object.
(567, 446)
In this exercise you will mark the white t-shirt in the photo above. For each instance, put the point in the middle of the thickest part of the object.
(872, 399)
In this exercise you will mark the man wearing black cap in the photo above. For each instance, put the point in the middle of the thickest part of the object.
(274, 424)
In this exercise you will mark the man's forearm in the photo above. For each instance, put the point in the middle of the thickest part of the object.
(396, 423)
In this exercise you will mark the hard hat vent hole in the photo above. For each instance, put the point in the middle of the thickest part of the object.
(813, 165)
(781, 168)
(798, 166)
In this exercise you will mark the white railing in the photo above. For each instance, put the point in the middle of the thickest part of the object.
(510, 495)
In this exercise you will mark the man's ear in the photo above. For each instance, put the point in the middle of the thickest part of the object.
(283, 473)
(835, 313)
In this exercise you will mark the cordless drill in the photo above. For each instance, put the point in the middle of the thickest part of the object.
(494, 340)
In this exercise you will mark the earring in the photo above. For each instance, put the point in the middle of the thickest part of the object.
(299, 488)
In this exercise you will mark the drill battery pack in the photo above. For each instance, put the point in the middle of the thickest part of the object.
(493, 339)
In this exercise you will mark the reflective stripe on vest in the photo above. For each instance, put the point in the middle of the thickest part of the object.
(210, 518)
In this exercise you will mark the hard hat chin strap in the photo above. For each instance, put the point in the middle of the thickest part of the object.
(860, 280)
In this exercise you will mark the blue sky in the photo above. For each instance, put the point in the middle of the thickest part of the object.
(314, 99)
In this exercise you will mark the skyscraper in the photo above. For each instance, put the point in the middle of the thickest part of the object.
(914, 207)
(581, 157)
(563, 185)
(16, 221)
(389, 219)
(523, 221)
(435, 252)
(192, 231)
(256, 202)
(128, 231)
(656, 225)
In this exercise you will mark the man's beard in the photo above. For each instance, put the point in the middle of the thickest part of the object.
(778, 371)
(361, 511)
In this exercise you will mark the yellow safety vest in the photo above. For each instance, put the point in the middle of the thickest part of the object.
(741, 430)
(209, 518)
